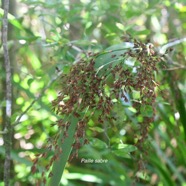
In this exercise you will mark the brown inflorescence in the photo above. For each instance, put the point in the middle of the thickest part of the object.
(83, 89)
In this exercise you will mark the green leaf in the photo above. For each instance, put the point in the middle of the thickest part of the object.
(142, 32)
(91, 123)
(121, 153)
(135, 94)
(59, 165)
(12, 19)
(123, 150)
(88, 25)
(107, 90)
(66, 69)
(146, 110)
(127, 148)
(66, 98)
(29, 82)
(96, 129)
(112, 55)
(97, 143)
(120, 26)
(132, 110)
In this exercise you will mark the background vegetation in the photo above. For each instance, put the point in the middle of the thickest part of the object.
(47, 34)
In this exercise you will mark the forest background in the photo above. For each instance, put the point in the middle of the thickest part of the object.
(45, 37)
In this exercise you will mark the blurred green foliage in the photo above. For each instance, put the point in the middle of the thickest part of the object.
(53, 33)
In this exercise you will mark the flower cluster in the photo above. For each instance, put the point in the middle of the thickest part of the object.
(86, 89)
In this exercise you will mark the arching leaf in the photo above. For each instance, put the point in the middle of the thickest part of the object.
(112, 55)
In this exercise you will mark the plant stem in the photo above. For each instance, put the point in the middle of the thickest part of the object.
(8, 96)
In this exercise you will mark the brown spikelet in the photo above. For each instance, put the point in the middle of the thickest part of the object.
(83, 90)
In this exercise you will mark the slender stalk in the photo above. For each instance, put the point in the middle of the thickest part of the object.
(59, 165)
(8, 96)
(177, 95)
(18, 120)
(171, 44)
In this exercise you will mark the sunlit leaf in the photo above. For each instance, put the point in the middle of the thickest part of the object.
(123, 150)
(97, 143)
(97, 129)
(112, 55)
(12, 20)
(66, 69)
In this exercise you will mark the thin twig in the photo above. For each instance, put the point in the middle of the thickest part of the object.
(164, 48)
(35, 100)
(171, 44)
(7, 123)
(175, 68)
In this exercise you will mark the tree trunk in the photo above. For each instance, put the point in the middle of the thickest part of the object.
(7, 95)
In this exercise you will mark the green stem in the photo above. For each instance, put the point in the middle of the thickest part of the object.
(59, 165)
(179, 100)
